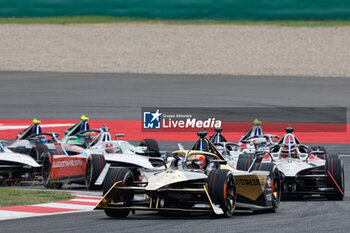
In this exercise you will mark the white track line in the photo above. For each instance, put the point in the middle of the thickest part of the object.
(25, 126)
(85, 200)
(5, 215)
(67, 206)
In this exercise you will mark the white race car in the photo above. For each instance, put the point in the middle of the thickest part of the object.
(253, 139)
(118, 153)
(15, 167)
(304, 172)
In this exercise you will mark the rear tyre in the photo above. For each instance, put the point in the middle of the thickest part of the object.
(327, 156)
(246, 156)
(94, 167)
(46, 172)
(125, 177)
(273, 184)
(243, 164)
(335, 168)
(222, 190)
(323, 155)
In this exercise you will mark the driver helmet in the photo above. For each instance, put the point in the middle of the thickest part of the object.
(285, 151)
(197, 161)
(41, 139)
(110, 148)
(91, 135)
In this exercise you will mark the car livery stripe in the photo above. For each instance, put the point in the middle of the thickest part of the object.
(340, 190)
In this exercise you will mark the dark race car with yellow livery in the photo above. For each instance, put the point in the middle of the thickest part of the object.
(197, 180)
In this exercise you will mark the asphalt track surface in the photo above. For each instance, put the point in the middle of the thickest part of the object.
(121, 96)
(49, 95)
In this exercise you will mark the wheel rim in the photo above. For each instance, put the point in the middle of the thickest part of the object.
(46, 170)
(275, 189)
(124, 195)
(230, 195)
(88, 173)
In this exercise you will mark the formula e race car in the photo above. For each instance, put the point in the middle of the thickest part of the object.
(86, 167)
(15, 167)
(195, 181)
(33, 142)
(80, 134)
(303, 173)
(254, 138)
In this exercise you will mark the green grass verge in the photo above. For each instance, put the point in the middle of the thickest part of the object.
(111, 19)
(13, 197)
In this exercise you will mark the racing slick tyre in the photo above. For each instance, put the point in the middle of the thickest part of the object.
(273, 183)
(222, 190)
(152, 147)
(243, 164)
(126, 177)
(38, 151)
(335, 170)
(46, 170)
(246, 156)
(327, 156)
(94, 167)
(323, 155)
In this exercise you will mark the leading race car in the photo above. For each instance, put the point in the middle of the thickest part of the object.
(303, 172)
(15, 167)
(88, 165)
(196, 181)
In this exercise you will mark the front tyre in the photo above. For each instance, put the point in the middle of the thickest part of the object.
(335, 170)
(244, 163)
(46, 173)
(222, 190)
(125, 177)
(94, 167)
(273, 183)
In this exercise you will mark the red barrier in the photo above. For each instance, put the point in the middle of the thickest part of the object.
(133, 130)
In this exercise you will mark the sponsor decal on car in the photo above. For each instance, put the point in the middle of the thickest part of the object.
(248, 182)
(71, 163)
